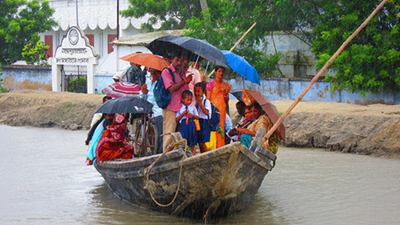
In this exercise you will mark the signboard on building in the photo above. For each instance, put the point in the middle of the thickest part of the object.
(75, 49)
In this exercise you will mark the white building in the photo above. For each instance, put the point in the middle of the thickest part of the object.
(98, 20)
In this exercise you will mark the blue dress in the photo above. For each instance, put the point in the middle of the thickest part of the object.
(95, 140)
(188, 131)
(245, 139)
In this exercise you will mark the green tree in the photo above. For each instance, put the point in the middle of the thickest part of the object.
(2, 89)
(35, 53)
(222, 24)
(20, 23)
(172, 14)
(371, 61)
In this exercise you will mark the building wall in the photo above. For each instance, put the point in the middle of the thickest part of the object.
(297, 59)
(39, 78)
(321, 91)
(26, 77)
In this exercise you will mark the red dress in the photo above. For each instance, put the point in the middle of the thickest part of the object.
(113, 144)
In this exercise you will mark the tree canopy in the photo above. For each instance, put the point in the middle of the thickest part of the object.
(222, 25)
(371, 61)
(172, 14)
(20, 23)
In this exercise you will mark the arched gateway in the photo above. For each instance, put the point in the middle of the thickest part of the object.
(74, 50)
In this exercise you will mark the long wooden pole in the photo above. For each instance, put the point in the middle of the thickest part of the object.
(237, 43)
(280, 120)
(244, 35)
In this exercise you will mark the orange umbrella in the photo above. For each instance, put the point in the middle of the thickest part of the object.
(148, 60)
(268, 107)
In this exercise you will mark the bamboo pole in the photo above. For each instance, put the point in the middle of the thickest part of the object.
(244, 35)
(237, 43)
(281, 118)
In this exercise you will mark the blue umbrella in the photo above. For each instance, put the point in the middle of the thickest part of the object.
(241, 66)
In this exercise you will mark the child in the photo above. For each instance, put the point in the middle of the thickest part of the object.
(204, 108)
(185, 117)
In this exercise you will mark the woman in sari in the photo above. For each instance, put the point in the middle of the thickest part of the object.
(233, 134)
(218, 94)
(262, 120)
(112, 143)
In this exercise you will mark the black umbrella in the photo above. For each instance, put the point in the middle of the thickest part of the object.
(165, 45)
(125, 105)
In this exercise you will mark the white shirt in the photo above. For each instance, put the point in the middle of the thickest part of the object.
(207, 104)
(191, 109)
(121, 74)
(157, 111)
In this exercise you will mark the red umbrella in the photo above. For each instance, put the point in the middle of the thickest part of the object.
(268, 107)
(121, 89)
(148, 60)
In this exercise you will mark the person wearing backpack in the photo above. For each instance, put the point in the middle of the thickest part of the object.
(218, 93)
(204, 108)
(147, 92)
(175, 85)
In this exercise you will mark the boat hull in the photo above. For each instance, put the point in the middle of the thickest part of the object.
(212, 185)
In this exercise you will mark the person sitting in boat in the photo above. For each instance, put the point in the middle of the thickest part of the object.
(96, 119)
(185, 117)
(261, 120)
(240, 117)
(233, 134)
(204, 110)
(98, 132)
(113, 143)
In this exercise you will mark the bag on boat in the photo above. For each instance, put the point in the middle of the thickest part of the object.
(162, 95)
(215, 117)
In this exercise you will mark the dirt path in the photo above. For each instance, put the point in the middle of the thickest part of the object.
(372, 129)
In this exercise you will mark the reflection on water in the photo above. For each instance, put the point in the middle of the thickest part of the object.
(45, 181)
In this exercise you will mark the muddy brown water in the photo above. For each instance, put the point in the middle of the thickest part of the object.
(44, 180)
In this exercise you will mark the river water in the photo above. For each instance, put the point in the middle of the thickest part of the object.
(44, 180)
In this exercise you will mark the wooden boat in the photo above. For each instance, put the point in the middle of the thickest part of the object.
(211, 185)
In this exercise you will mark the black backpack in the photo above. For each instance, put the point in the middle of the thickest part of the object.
(215, 116)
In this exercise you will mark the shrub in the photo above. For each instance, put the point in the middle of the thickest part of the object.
(78, 85)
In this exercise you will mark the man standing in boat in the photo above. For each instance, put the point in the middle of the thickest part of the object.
(176, 88)
(147, 92)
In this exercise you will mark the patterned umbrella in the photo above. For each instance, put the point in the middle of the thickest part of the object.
(121, 89)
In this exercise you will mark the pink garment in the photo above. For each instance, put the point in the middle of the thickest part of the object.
(196, 79)
(175, 104)
(210, 85)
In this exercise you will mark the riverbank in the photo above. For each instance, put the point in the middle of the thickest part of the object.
(370, 129)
